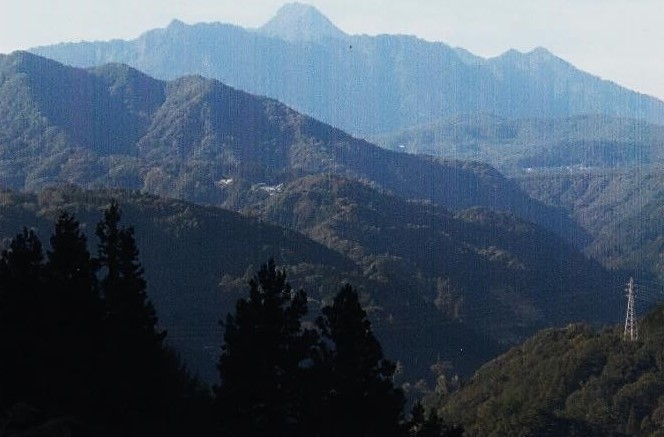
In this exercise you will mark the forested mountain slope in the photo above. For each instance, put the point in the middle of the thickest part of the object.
(503, 276)
(198, 261)
(569, 381)
(536, 145)
(200, 140)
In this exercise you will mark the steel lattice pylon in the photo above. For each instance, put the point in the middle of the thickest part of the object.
(631, 328)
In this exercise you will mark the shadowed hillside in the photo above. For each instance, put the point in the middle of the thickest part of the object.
(200, 140)
(499, 274)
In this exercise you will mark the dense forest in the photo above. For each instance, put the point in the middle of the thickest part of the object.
(83, 353)
(457, 270)
(567, 381)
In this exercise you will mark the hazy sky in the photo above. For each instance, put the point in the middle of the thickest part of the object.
(617, 40)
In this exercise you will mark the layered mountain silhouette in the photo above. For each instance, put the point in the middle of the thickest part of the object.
(499, 274)
(526, 145)
(365, 84)
(415, 233)
(620, 208)
(462, 286)
(200, 140)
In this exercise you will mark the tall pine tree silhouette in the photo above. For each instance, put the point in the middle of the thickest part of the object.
(264, 360)
(23, 321)
(76, 334)
(361, 399)
(134, 350)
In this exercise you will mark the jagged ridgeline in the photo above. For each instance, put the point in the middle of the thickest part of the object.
(570, 381)
(365, 84)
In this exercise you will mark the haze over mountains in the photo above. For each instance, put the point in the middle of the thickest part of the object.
(200, 140)
(454, 261)
(518, 146)
(365, 85)
(370, 211)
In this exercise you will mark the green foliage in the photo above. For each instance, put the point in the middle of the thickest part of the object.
(197, 139)
(571, 381)
(85, 348)
(263, 357)
(281, 378)
(621, 209)
(477, 266)
(359, 397)
(172, 235)
(422, 424)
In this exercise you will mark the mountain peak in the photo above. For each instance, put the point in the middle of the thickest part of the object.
(301, 22)
(537, 56)
(175, 23)
(542, 54)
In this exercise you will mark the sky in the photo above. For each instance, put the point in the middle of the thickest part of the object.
(616, 40)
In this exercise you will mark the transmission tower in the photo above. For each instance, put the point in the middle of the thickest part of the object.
(631, 329)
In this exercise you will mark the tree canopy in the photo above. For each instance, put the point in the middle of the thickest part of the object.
(279, 377)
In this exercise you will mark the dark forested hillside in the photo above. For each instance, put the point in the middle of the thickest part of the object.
(451, 258)
(437, 284)
(449, 262)
(570, 381)
(365, 84)
(621, 209)
(188, 251)
(499, 274)
(200, 140)
(198, 261)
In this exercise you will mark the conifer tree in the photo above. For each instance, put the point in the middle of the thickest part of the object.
(23, 321)
(361, 398)
(75, 337)
(264, 359)
(124, 288)
(108, 231)
(134, 352)
(66, 352)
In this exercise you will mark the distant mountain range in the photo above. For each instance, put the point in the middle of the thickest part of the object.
(621, 209)
(535, 145)
(363, 84)
(200, 140)
(454, 261)
(436, 246)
